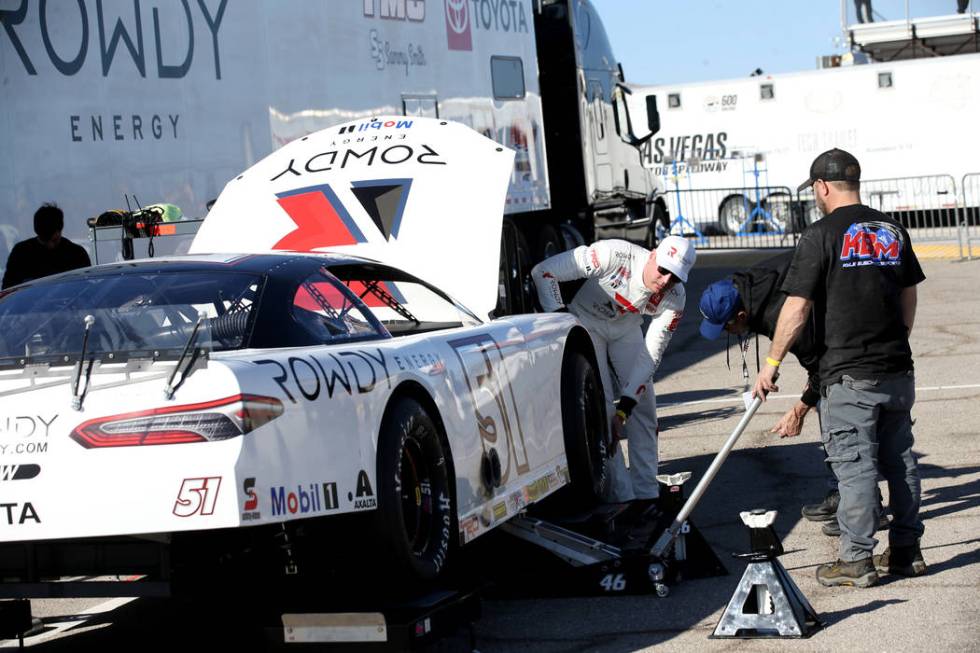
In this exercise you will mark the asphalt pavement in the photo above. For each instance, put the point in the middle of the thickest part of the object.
(699, 405)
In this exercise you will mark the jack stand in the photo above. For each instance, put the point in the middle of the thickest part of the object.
(692, 556)
(766, 603)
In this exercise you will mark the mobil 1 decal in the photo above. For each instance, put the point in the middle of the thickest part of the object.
(872, 243)
(322, 220)
(495, 412)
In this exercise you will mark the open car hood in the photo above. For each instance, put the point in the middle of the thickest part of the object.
(420, 194)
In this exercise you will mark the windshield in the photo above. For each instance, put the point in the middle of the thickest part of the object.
(151, 314)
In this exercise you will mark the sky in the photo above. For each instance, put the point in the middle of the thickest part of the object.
(674, 41)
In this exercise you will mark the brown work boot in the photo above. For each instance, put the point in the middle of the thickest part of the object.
(901, 560)
(860, 573)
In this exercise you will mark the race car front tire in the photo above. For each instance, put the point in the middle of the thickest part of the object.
(585, 427)
(414, 520)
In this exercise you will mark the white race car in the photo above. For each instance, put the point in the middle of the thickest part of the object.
(193, 399)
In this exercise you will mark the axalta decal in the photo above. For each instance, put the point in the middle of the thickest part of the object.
(305, 499)
(871, 243)
(363, 495)
(19, 513)
(463, 17)
(310, 377)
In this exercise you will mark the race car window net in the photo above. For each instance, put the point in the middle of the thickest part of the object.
(134, 315)
(401, 302)
(330, 313)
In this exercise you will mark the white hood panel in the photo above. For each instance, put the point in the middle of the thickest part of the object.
(421, 194)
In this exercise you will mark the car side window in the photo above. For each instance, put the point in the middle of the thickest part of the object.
(329, 313)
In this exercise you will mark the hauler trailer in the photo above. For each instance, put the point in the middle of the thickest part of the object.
(167, 101)
(739, 144)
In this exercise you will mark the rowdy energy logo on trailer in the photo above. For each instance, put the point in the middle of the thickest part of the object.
(871, 243)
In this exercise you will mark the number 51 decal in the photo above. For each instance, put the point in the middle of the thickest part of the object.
(197, 496)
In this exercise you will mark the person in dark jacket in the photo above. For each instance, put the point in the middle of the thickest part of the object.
(48, 253)
(749, 302)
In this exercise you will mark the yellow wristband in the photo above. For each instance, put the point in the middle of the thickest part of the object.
(773, 361)
(621, 415)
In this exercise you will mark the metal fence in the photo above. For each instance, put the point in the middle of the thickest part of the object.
(730, 218)
(970, 215)
(931, 207)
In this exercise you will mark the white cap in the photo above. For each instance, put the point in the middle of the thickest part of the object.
(677, 255)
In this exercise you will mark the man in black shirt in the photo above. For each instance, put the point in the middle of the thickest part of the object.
(49, 253)
(855, 269)
(749, 302)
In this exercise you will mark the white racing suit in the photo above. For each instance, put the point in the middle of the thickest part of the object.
(611, 305)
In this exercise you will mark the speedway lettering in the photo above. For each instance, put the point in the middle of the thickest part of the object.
(391, 155)
(348, 371)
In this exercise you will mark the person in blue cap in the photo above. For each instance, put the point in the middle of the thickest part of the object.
(749, 302)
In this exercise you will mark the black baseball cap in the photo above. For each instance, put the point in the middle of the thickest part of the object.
(833, 165)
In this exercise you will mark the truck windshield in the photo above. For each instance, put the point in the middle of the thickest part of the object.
(148, 314)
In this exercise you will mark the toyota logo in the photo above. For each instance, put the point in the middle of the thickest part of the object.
(457, 16)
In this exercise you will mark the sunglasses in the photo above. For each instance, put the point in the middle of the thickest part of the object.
(667, 273)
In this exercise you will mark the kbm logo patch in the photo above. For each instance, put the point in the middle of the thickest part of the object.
(872, 243)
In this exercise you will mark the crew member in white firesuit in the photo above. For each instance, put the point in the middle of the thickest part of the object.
(623, 283)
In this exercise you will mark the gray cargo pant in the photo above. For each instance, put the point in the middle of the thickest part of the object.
(866, 427)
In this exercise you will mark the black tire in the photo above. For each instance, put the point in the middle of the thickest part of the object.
(583, 416)
(733, 214)
(659, 218)
(549, 242)
(415, 518)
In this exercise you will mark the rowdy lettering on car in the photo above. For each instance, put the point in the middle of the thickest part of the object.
(25, 426)
(347, 371)
(342, 157)
(493, 401)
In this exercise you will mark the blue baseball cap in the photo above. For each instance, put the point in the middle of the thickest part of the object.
(719, 302)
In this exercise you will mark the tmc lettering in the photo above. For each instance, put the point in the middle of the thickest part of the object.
(68, 31)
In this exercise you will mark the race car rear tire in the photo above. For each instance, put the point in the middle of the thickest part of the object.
(585, 427)
(414, 520)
